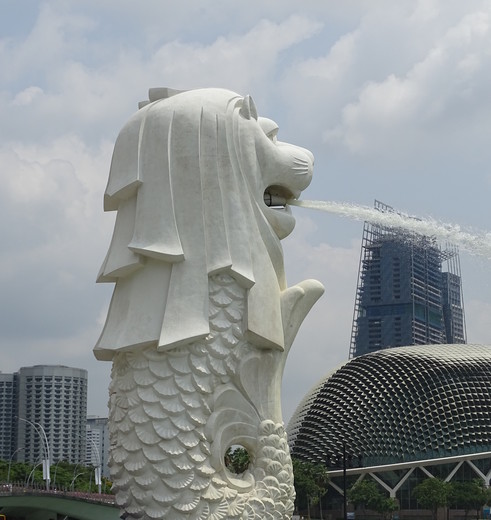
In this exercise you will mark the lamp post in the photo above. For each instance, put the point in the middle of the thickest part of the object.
(40, 430)
(56, 469)
(337, 464)
(31, 474)
(10, 463)
(98, 468)
(75, 469)
(72, 485)
(345, 499)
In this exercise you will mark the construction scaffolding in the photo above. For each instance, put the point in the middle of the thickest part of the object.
(404, 296)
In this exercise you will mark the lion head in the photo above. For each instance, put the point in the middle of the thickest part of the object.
(200, 184)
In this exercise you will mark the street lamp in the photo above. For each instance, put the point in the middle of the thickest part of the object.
(75, 469)
(98, 468)
(337, 463)
(43, 436)
(31, 474)
(10, 463)
(56, 469)
(72, 485)
(345, 499)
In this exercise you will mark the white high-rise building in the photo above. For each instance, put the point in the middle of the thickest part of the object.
(98, 443)
(52, 409)
(7, 414)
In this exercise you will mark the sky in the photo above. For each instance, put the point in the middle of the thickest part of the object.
(393, 99)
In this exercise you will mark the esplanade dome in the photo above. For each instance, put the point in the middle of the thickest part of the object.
(398, 405)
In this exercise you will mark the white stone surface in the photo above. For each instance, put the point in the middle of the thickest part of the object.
(201, 319)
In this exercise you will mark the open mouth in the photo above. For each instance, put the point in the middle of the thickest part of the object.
(276, 197)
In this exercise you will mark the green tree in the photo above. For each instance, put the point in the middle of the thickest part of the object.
(237, 459)
(470, 495)
(68, 476)
(386, 506)
(365, 493)
(311, 482)
(432, 493)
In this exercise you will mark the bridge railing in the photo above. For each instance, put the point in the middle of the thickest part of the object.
(17, 489)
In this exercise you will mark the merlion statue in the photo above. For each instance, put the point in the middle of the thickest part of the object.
(201, 319)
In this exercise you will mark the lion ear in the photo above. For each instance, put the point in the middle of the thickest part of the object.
(248, 108)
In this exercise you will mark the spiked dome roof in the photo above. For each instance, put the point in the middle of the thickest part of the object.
(398, 405)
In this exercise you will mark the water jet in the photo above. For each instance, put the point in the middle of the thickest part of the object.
(473, 243)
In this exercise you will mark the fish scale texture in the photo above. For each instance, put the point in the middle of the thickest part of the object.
(163, 456)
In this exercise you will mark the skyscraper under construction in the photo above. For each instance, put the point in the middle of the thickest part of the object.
(404, 297)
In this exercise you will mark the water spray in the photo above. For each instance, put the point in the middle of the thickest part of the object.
(479, 244)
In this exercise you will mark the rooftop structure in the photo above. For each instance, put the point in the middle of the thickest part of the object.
(396, 410)
(398, 405)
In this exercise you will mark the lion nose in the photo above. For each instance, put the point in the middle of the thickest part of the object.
(309, 154)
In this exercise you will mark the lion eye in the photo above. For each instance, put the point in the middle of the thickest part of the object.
(269, 127)
(273, 135)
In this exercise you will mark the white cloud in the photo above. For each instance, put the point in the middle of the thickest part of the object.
(445, 81)
(87, 87)
(425, 10)
(336, 65)
(242, 62)
(26, 96)
(54, 237)
(54, 36)
(477, 314)
(62, 172)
